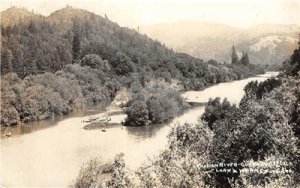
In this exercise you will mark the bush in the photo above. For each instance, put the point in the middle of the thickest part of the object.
(162, 108)
(137, 112)
(95, 61)
(259, 89)
(156, 103)
(111, 174)
(217, 111)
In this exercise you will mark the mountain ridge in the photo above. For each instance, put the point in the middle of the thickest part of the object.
(73, 11)
(202, 39)
(216, 41)
(16, 15)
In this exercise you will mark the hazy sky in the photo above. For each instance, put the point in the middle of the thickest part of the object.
(132, 13)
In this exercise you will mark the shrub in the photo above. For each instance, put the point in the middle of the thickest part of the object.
(95, 61)
(156, 103)
(137, 112)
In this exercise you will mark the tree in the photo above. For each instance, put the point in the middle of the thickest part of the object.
(32, 28)
(31, 67)
(161, 109)
(137, 113)
(18, 57)
(123, 64)
(9, 114)
(6, 63)
(292, 66)
(234, 57)
(216, 110)
(295, 62)
(95, 61)
(245, 59)
(76, 43)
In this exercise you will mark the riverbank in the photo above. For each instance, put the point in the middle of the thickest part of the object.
(115, 115)
(71, 145)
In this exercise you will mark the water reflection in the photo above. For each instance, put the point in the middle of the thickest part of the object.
(141, 133)
(30, 127)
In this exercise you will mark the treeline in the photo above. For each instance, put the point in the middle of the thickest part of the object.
(235, 59)
(264, 127)
(48, 44)
(70, 38)
(43, 96)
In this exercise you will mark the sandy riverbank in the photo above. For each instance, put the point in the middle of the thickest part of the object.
(113, 115)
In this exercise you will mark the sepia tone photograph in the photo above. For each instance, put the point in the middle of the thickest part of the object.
(150, 94)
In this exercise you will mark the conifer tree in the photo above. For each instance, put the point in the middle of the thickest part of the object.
(76, 47)
(245, 59)
(234, 57)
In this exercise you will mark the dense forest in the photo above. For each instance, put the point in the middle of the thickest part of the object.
(263, 128)
(73, 58)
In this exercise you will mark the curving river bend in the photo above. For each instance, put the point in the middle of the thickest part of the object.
(50, 153)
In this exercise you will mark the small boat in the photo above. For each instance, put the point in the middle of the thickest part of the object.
(93, 118)
(103, 130)
(102, 120)
(8, 134)
(91, 110)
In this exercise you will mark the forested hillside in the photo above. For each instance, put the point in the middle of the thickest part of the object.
(72, 58)
(263, 129)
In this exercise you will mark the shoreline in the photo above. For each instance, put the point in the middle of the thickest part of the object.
(112, 108)
(116, 110)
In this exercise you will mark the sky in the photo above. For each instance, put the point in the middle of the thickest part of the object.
(133, 13)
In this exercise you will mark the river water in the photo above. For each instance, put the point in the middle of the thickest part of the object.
(50, 153)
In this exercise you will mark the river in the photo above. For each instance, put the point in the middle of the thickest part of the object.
(51, 153)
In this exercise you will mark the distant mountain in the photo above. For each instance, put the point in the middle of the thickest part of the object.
(16, 15)
(261, 29)
(265, 43)
(270, 49)
(177, 32)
